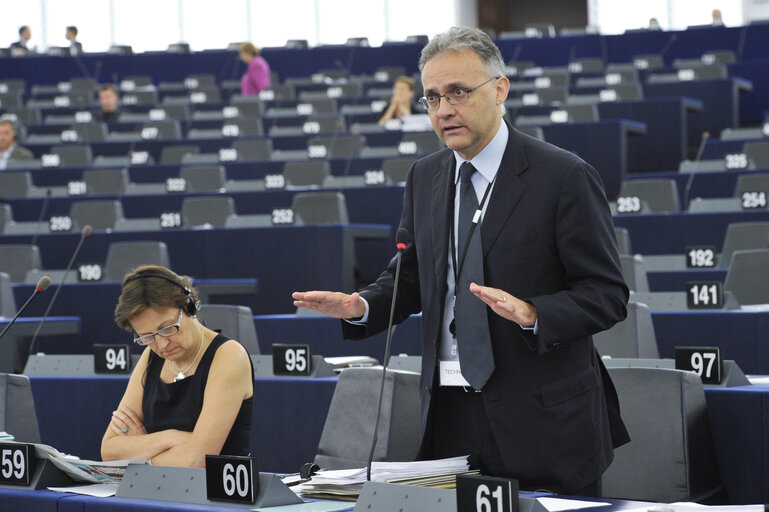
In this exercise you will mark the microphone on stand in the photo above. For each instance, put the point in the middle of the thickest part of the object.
(86, 231)
(690, 180)
(402, 239)
(43, 210)
(41, 286)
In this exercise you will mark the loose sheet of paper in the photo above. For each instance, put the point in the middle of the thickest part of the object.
(557, 504)
(97, 490)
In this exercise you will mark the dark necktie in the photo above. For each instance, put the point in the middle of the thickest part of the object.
(473, 339)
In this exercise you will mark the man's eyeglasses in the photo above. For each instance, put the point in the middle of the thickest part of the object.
(455, 97)
(168, 330)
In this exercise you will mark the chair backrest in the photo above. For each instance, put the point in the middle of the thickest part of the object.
(236, 322)
(16, 259)
(748, 276)
(106, 181)
(17, 408)
(661, 195)
(7, 301)
(582, 113)
(242, 128)
(100, 215)
(634, 272)
(73, 155)
(204, 178)
(123, 257)
(346, 438)
(427, 142)
(743, 235)
(90, 132)
(175, 154)
(671, 456)
(758, 153)
(344, 146)
(197, 211)
(166, 130)
(249, 149)
(633, 337)
(6, 215)
(321, 208)
(623, 240)
(305, 172)
(396, 169)
(758, 182)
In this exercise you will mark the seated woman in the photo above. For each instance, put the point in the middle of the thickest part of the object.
(192, 392)
(401, 102)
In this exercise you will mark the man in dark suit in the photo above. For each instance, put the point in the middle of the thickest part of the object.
(20, 48)
(510, 375)
(9, 150)
(75, 47)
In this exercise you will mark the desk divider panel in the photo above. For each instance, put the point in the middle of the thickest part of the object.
(188, 485)
(412, 498)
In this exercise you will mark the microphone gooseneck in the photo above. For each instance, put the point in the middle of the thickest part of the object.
(41, 286)
(83, 234)
(402, 239)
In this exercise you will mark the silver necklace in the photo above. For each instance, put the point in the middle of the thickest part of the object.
(180, 375)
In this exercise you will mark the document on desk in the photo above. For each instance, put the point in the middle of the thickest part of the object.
(97, 490)
(558, 504)
(347, 483)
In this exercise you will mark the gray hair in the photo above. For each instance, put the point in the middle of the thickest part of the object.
(457, 39)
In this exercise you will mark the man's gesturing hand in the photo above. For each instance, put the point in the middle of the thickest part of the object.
(506, 305)
(335, 304)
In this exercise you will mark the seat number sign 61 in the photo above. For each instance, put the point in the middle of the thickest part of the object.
(16, 464)
(291, 359)
(486, 494)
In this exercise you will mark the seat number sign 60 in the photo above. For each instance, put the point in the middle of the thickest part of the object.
(704, 361)
(232, 478)
(486, 494)
(111, 358)
(16, 464)
(291, 359)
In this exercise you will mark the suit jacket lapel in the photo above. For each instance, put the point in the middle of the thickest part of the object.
(508, 189)
(440, 211)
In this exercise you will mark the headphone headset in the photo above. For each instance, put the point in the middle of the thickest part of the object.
(191, 307)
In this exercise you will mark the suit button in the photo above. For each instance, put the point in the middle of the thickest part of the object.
(435, 341)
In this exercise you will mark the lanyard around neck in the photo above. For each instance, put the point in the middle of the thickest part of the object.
(474, 224)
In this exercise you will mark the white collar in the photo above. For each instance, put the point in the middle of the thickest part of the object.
(488, 160)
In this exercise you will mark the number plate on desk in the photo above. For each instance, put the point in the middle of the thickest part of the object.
(486, 494)
(231, 478)
(705, 295)
(704, 361)
(701, 256)
(111, 358)
(17, 463)
(291, 359)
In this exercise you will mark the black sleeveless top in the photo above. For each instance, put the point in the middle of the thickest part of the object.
(177, 405)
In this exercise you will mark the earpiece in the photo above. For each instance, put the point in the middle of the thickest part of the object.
(191, 307)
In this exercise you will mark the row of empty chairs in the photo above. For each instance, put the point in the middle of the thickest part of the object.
(309, 208)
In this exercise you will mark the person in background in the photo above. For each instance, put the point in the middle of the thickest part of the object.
(257, 75)
(75, 48)
(108, 99)
(717, 19)
(654, 24)
(192, 392)
(401, 103)
(9, 150)
(21, 47)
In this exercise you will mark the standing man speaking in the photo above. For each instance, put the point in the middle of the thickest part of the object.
(514, 267)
